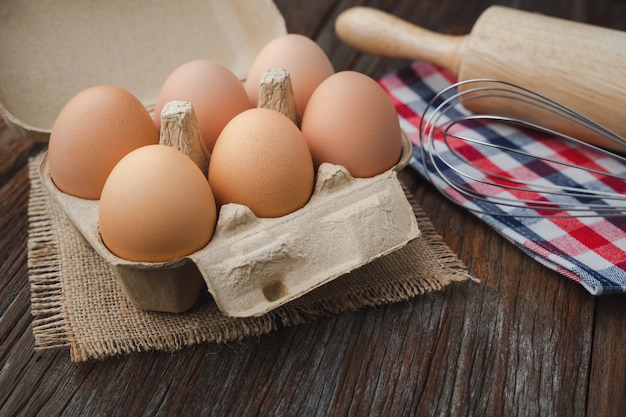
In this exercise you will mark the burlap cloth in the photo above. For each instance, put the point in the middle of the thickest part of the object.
(76, 300)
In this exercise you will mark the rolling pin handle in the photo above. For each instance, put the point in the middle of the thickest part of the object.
(376, 32)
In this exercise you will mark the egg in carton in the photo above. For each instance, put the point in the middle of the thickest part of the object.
(253, 265)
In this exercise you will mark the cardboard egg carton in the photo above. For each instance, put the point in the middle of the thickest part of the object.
(253, 265)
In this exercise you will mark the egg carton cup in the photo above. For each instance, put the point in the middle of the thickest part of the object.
(253, 265)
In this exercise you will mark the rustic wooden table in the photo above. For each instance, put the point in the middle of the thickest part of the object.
(525, 341)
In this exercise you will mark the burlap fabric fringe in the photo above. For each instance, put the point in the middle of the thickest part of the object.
(77, 303)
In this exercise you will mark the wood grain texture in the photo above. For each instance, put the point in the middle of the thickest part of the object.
(524, 341)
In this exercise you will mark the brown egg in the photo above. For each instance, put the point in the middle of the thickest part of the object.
(93, 131)
(215, 93)
(351, 121)
(306, 62)
(156, 206)
(261, 160)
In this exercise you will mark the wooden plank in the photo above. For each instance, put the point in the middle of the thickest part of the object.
(608, 366)
(509, 336)
(523, 341)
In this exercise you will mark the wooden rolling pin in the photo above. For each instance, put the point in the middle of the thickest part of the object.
(579, 65)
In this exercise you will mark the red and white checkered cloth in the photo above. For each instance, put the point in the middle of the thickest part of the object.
(589, 250)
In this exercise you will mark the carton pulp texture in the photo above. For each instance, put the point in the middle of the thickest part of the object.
(252, 265)
(51, 50)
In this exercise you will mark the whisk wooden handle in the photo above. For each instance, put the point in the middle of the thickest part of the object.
(579, 65)
(378, 33)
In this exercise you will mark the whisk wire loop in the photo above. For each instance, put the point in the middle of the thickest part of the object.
(456, 147)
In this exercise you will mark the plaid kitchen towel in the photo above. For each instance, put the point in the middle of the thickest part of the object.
(590, 250)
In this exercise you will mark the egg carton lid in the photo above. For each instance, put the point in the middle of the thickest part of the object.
(53, 50)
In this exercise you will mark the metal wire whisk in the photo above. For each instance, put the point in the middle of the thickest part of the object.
(458, 150)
